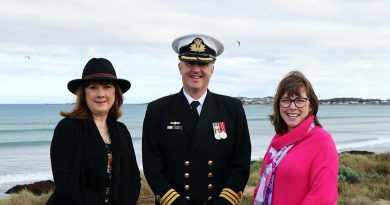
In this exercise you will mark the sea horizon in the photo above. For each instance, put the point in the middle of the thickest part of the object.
(238, 97)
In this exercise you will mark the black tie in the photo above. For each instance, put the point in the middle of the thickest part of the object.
(195, 114)
(194, 106)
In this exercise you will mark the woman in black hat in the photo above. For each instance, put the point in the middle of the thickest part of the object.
(92, 154)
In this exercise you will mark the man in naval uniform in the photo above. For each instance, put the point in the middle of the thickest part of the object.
(195, 144)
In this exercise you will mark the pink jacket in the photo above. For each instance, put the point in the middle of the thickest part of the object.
(308, 174)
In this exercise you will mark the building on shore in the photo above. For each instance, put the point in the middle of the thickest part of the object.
(333, 101)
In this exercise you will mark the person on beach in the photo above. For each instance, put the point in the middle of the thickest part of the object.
(92, 154)
(300, 166)
(195, 144)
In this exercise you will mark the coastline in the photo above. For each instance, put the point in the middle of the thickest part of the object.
(375, 149)
(363, 178)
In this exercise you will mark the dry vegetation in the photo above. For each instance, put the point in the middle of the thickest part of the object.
(364, 179)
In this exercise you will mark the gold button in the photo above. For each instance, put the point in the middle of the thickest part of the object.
(210, 197)
(187, 198)
(209, 175)
(210, 186)
(210, 163)
(186, 175)
(187, 187)
(187, 163)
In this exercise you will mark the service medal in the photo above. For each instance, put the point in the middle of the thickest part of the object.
(219, 130)
(223, 135)
(216, 129)
(223, 132)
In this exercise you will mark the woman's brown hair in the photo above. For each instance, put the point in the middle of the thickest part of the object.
(81, 110)
(293, 84)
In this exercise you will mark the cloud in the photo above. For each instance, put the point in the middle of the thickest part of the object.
(342, 46)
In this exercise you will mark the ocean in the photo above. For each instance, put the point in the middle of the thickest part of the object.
(26, 132)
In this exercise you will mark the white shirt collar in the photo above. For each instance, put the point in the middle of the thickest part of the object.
(200, 100)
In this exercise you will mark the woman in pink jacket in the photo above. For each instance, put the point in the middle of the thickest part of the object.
(300, 166)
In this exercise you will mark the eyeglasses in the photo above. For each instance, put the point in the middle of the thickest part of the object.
(299, 102)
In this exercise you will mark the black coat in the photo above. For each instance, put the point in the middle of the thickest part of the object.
(191, 162)
(79, 164)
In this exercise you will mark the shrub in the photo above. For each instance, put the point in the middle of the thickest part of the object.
(341, 203)
(384, 156)
(256, 166)
(348, 175)
(377, 178)
(382, 169)
(254, 178)
(382, 192)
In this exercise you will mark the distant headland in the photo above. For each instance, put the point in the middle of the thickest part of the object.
(332, 101)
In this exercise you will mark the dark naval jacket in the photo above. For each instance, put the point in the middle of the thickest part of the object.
(189, 162)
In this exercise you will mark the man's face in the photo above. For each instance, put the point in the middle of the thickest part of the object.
(196, 76)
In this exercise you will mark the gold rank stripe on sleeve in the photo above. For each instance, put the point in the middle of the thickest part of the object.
(169, 197)
(231, 200)
(230, 195)
(232, 192)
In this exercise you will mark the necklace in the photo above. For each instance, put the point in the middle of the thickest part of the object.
(106, 138)
(103, 130)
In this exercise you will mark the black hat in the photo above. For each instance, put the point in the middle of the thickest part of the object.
(197, 47)
(98, 69)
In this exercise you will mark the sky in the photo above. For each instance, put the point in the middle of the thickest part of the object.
(342, 46)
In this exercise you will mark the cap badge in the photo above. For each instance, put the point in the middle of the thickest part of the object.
(198, 45)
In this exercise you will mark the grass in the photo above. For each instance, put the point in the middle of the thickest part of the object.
(25, 198)
(364, 179)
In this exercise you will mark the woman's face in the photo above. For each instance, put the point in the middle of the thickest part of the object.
(100, 97)
(294, 109)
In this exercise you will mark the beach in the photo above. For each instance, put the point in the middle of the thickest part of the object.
(26, 132)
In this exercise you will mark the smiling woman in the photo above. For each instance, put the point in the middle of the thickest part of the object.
(100, 97)
(301, 152)
(92, 154)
